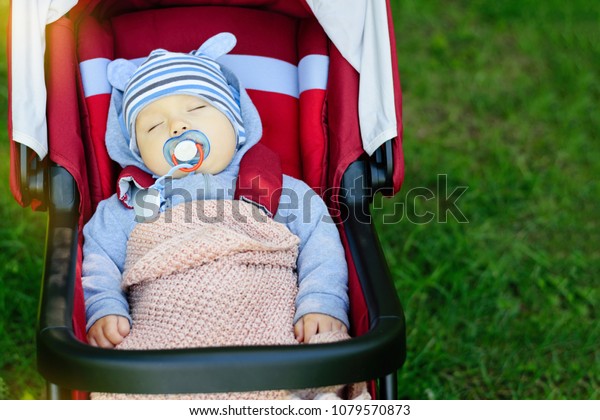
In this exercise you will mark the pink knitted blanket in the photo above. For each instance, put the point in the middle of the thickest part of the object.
(211, 273)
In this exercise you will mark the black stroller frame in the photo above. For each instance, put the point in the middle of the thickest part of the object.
(62, 359)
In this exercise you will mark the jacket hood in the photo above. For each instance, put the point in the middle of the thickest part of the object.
(117, 142)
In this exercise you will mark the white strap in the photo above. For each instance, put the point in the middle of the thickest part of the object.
(28, 89)
(359, 30)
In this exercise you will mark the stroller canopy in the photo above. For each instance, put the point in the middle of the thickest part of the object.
(358, 28)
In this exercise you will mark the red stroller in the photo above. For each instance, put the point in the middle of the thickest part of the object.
(344, 140)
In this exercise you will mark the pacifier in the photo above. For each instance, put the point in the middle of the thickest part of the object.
(191, 147)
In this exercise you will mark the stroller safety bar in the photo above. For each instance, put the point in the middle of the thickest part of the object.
(70, 364)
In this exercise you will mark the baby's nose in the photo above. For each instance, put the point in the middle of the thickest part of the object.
(178, 127)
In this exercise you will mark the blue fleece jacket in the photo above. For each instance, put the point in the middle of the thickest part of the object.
(321, 265)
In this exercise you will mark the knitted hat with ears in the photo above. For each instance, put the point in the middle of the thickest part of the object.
(166, 73)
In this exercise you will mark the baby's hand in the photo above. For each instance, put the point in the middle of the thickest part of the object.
(108, 331)
(311, 324)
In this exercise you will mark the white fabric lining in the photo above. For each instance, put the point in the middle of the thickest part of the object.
(358, 28)
(258, 73)
(28, 42)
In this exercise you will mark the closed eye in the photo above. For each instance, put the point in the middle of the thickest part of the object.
(198, 107)
(154, 126)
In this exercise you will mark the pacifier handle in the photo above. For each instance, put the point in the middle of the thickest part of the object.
(196, 166)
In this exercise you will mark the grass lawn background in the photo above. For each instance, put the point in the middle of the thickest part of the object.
(501, 98)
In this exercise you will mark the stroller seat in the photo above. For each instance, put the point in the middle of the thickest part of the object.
(286, 76)
(306, 94)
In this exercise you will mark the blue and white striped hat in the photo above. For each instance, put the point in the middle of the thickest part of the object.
(166, 73)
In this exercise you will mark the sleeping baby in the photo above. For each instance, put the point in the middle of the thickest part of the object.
(172, 260)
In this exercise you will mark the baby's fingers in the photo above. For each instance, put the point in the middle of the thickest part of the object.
(96, 338)
(92, 341)
(299, 330)
(337, 325)
(111, 332)
(311, 327)
(123, 326)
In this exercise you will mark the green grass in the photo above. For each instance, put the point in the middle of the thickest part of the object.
(501, 97)
(22, 235)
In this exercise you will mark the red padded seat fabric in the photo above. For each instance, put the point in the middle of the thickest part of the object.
(279, 73)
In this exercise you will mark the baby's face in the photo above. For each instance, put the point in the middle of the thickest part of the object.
(172, 115)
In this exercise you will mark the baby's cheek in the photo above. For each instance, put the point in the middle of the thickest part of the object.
(155, 161)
